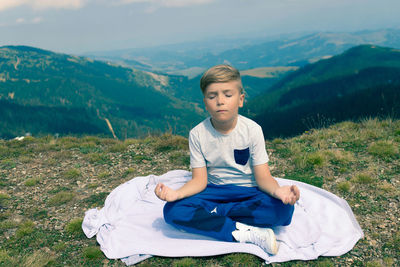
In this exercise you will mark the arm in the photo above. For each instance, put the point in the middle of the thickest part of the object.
(197, 184)
(267, 183)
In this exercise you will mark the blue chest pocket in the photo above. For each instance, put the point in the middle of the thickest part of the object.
(241, 155)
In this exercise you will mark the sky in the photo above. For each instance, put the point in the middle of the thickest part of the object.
(79, 26)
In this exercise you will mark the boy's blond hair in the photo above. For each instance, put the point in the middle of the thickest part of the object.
(220, 74)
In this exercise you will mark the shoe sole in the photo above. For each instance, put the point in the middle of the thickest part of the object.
(274, 244)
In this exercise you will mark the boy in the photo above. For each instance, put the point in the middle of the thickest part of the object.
(232, 195)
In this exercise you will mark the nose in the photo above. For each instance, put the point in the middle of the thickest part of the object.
(220, 100)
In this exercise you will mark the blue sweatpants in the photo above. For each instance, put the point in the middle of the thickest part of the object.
(215, 211)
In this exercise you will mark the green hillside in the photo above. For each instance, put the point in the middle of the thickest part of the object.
(134, 102)
(364, 81)
(47, 184)
(16, 119)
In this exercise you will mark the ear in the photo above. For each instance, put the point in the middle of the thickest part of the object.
(241, 100)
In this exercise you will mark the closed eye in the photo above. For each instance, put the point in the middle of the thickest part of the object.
(211, 96)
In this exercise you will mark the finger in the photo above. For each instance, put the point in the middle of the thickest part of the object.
(162, 192)
(296, 192)
(292, 200)
(157, 188)
(292, 188)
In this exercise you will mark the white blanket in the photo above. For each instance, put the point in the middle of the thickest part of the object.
(131, 227)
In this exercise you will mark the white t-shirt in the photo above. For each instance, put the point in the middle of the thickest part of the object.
(228, 157)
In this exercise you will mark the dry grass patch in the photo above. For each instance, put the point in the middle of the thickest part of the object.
(61, 198)
(316, 159)
(344, 186)
(278, 141)
(98, 158)
(341, 157)
(363, 178)
(32, 181)
(6, 259)
(69, 142)
(72, 174)
(62, 155)
(4, 197)
(25, 228)
(167, 142)
(388, 189)
(383, 149)
(119, 147)
(75, 226)
(39, 258)
(104, 174)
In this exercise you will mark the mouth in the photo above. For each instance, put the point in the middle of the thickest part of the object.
(221, 111)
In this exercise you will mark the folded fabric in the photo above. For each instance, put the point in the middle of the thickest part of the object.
(131, 227)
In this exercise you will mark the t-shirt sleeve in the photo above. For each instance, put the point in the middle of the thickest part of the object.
(258, 153)
(197, 159)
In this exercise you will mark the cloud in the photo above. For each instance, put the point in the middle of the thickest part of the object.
(76, 4)
(154, 5)
(37, 20)
(34, 20)
(42, 4)
(22, 21)
(7, 4)
(168, 3)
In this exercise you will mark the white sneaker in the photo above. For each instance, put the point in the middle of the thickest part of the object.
(262, 237)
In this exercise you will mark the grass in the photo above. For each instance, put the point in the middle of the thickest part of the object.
(72, 174)
(25, 228)
(384, 149)
(43, 199)
(75, 226)
(61, 198)
(167, 142)
(4, 197)
(98, 158)
(344, 186)
(185, 262)
(32, 181)
(44, 257)
(92, 253)
(363, 178)
(6, 259)
(128, 171)
(96, 200)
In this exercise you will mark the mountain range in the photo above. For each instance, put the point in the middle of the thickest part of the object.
(364, 81)
(46, 92)
(42, 92)
(286, 50)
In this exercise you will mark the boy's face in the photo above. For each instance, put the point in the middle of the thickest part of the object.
(223, 100)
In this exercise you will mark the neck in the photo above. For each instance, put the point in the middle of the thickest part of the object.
(224, 127)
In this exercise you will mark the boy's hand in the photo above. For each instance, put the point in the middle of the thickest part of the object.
(289, 194)
(165, 193)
